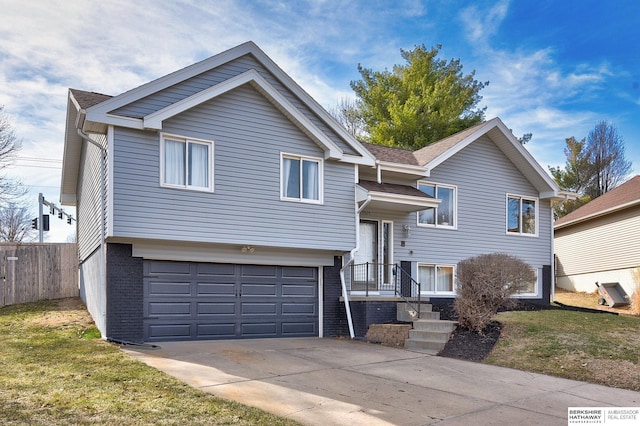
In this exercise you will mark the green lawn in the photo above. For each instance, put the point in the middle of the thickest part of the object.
(55, 371)
(593, 347)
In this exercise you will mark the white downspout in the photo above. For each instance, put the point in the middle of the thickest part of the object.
(345, 293)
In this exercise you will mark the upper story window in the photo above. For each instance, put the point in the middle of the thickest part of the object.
(186, 163)
(522, 214)
(301, 178)
(445, 214)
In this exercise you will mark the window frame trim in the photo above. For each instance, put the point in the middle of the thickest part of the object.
(300, 157)
(210, 162)
(520, 225)
(536, 287)
(436, 293)
(455, 207)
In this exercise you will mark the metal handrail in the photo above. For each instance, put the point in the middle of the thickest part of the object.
(366, 277)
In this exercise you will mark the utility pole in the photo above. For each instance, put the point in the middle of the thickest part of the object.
(40, 221)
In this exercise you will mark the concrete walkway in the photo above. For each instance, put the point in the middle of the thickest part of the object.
(342, 382)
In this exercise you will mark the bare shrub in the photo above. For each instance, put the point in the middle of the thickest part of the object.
(486, 284)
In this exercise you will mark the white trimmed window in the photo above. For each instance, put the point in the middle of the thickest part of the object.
(445, 214)
(532, 289)
(301, 179)
(186, 163)
(522, 215)
(436, 279)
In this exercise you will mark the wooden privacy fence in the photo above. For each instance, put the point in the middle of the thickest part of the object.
(32, 272)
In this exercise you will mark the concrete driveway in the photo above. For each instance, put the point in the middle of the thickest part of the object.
(342, 382)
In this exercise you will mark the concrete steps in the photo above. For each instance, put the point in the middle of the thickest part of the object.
(429, 334)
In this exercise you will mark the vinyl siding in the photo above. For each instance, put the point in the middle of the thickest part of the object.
(608, 243)
(483, 176)
(249, 134)
(88, 208)
(210, 78)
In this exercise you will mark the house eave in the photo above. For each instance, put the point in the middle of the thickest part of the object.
(398, 202)
(598, 214)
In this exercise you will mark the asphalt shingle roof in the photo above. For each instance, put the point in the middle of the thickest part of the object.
(627, 193)
(88, 99)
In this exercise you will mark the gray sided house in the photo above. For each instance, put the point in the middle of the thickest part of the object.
(222, 201)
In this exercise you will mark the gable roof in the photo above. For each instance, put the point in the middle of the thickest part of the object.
(90, 112)
(103, 112)
(622, 197)
(438, 152)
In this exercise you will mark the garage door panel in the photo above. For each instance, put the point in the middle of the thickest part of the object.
(216, 289)
(216, 330)
(299, 272)
(308, 290)
(299, 309)
(169, 289)
(216, 308)
(160, 309)
(215, 269)
(185, 301)
(170, 331)
(259, 308)
(259, 271)
(299, 329)
(258, 289)
(259, 329)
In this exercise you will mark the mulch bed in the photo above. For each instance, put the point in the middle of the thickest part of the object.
(473, 346)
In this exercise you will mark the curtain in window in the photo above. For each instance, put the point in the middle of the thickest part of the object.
(445, 279)
(310, 180)
(290, 178)
(198, 165)
(174, 161)
(426, 278)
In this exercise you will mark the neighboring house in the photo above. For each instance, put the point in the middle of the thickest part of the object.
(222, 201)
(600, 241)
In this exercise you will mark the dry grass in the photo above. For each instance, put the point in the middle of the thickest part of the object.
(588, 300)
(55, 371)
(592, 347)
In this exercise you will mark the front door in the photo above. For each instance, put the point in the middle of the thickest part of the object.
(366, 258)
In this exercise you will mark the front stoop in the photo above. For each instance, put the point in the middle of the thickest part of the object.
(406, 312)
(430, 334)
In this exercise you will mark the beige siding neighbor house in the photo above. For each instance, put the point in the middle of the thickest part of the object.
(600, 241)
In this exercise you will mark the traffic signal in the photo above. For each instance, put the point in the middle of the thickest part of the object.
(34, 223)
(45, 222)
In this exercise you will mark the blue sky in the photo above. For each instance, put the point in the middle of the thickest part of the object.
(555, 68)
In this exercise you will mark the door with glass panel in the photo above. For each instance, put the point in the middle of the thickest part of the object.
(366, 258)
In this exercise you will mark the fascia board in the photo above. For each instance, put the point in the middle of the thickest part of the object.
(114, 120)
(460, 145)
(315, 107)
(404, 199)
(404, 168)
(170, 79)
(553, 186)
